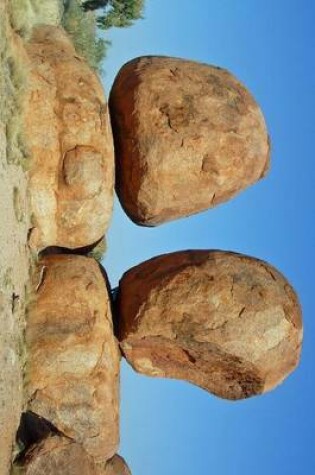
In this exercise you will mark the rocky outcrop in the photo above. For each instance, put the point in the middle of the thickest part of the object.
(73, 364)
(57, 456)
(70, 143)
(116, 466)
(188, 136)
(228, 323)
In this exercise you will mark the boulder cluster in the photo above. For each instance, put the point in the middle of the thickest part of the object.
(187, 136)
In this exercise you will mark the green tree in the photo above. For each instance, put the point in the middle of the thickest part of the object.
(94, 4)
(117, 13)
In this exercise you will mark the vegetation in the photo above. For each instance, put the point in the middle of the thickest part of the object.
(18, 205)
(116, 13)
(13, 80)
(25, 14)
(82, 28)
(99, 250)
(81, 22)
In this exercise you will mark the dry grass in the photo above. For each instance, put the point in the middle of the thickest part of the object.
(13, 74)
(15, 79)
(25, 14)
(99, 250)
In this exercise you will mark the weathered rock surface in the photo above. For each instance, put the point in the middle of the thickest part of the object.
(73, 358)
(58, 456)
(70, 142)
(223, 321)
(116, 466)
(188, 136)
(62, 456)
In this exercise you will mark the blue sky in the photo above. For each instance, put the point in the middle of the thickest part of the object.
(171, 427)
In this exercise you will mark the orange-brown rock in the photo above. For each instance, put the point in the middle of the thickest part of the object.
(228, 323)
(188, 136)
(57, 456)
(116, 466)
(62, 456)
(73, 358)
(70, 143)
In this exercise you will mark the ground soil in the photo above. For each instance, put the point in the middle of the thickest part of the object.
(14, 272)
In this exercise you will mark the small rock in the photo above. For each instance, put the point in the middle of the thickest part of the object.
(73, 365)
(188, 136)
(228, 323)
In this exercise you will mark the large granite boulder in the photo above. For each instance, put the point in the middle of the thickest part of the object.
(57, 456)
(72, 375)
(188, 136)
(228, 323)
(70, 144)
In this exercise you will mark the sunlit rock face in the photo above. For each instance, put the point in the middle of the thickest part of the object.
(188, 136)
(70, 145)
(72, 375)
(228, 323)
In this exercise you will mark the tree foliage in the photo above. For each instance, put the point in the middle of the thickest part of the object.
(116, 13)
(94, 4)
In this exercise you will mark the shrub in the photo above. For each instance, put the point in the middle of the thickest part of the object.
(82, 28)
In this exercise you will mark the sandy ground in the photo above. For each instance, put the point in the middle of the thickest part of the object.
(14, 268)
(14, 271)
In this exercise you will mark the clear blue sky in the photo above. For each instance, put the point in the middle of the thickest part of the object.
(171, 427)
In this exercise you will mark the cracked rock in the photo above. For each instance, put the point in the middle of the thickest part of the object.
(188, 136)
(69, 139)
(228, 323)
(73, 365)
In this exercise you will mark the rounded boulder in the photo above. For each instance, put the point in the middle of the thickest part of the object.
(188, 136)
(72, 372)
(226, 322)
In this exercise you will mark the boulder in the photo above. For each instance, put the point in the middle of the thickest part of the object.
(188, 136)
(228, 323)
(57, 456)
(69, 141)
(72, 375)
